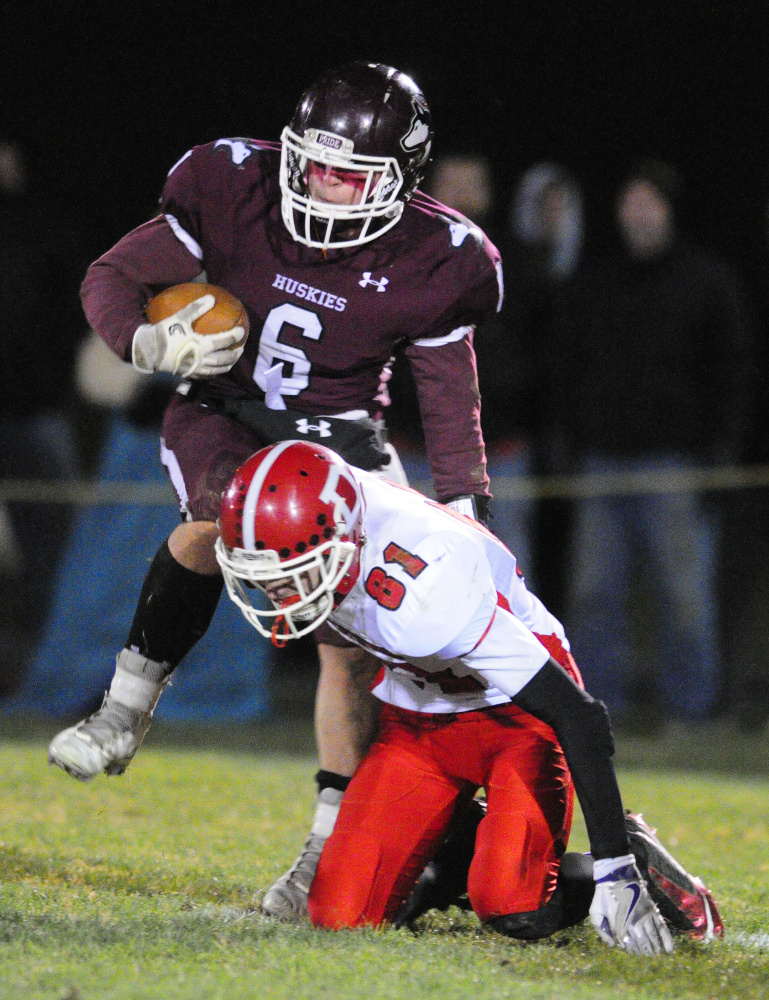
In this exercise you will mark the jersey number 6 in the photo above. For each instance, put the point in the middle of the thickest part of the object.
(272, 349)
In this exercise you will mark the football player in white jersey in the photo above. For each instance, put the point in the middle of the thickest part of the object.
(479, 690)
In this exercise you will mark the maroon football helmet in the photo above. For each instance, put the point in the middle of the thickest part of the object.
(289, 526)
(367, 125)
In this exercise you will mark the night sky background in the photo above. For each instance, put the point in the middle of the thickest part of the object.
(112, 94)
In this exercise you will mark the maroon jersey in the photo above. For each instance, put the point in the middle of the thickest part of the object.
(334, 320)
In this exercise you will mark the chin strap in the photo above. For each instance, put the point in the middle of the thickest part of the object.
(281, 633)
(279, 638)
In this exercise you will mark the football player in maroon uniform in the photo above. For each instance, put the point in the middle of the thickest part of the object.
(340, 262)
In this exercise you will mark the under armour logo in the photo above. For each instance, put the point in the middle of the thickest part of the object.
(322, 428)
(368, 280)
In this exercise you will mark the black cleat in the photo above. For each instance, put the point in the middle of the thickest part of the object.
(683, 900)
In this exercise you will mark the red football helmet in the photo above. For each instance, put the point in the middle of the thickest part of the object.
(289, 526)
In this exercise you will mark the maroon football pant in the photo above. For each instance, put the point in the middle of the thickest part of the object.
(400, 802)
(204, 449)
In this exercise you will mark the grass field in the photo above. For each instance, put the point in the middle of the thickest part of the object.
(143, 886)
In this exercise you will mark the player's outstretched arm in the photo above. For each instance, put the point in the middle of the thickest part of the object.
(172, 345)
(622, 911)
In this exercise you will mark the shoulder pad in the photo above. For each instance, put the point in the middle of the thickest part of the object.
(238, 149)
(442, 598)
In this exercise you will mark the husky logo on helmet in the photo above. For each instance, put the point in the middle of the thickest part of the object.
(419, 129)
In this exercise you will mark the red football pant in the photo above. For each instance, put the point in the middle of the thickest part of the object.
(399, 805)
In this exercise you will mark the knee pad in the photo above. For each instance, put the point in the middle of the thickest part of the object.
(342, 889)
(533, 925)
(512, 865)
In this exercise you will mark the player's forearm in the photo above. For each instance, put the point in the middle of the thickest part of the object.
(449, 401)
(346, 713)
(117, 285)
(583, 730)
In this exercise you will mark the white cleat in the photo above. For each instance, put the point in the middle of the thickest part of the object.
(105, 741)
(286, 899)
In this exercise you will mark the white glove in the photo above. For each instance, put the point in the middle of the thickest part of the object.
(173, 346)
(622, 911)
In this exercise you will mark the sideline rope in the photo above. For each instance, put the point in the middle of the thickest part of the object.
(694, 480)
(697, 480)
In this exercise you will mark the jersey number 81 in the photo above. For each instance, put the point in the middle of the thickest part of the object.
(386, 590)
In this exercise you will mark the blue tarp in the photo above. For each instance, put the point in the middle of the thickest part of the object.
(224, 678)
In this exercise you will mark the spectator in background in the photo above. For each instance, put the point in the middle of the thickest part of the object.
(41, 264)
(650, 362)
(540, 253)
(463, 182)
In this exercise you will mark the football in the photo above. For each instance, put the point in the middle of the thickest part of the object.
(226, 313)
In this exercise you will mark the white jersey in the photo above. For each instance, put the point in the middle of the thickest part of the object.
(440, 601)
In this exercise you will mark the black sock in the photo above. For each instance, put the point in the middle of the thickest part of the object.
(329, 779)
(175, 608)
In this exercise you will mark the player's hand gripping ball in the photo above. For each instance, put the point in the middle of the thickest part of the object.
(227, 311)
(193, 330)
